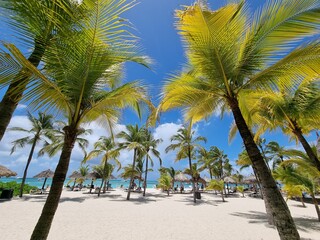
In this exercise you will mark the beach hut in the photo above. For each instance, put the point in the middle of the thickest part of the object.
(5, 172)
(44, 174)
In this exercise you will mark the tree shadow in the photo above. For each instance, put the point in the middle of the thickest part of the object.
(254, 217)
(72, 199)
(303, 223)
(306, 223)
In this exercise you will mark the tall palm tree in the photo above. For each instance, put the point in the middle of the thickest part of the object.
(109, 151)
(231, 54)
(221, 162)
(187, 144)
(37, 24)
(295, 110)
(172, 173)
(165, 182)
(150, 145)
(84, 171)
(133, 140)
(40, 127)
(104, 171)
(206, 161)
(79, 80)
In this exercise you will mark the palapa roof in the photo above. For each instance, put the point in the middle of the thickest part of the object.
(45, 174)
(229, 180)
(250, 179)
(76, 174)
(181, 177)
(94, 175)
(5, 172)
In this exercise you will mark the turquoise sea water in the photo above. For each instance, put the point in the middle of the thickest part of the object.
(37, 182)
(116, 183)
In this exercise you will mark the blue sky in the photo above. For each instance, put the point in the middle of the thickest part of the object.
(154, 24)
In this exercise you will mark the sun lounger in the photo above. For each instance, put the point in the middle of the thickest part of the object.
(6, 194)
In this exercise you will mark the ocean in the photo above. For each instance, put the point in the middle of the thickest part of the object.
(116, 183)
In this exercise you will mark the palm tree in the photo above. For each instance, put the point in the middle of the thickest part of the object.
(276, 153)
(37, 24)
(294, 191)
(84, 171)
(217, 185)
(221, 162)
(40, 127)
(134, 138)
(171, 172)
(187, 145)
(150, 144)
(57, 136)
(241, 189)
(108, 148)
(231, 55)
(300, 173)
(206, 161)
(295, 110)
(104, 171)
(165, 182)
(79, 81)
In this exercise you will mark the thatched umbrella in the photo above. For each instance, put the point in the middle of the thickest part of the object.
(250, 179)
(44, 174)
(93, 175)
(5, 172)
(181, 177)
(75, 175)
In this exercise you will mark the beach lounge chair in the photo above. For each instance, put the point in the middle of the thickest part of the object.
(6, 194)
(36, 191)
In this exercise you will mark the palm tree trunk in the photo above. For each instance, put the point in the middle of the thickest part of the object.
(297, 131)
(192, 178)
(101, 185)
(222, 196)
(43, 226)
(106, 186)
(27, 166)
(315, 202)
(132, 174)
(302, 201)
(16, 88)
(145, 176)
(44, 183)
(91, 185)
(282, 218)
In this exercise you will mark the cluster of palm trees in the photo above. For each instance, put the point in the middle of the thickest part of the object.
(250, 66)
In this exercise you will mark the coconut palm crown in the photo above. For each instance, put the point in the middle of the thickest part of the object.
(231, 54)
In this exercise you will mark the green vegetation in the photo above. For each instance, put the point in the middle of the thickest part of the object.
(17, 187)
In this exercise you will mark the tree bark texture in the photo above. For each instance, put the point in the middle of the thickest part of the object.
(43, 226)
(297, 131)
(132, 174)
(192, 178)
(145, 176)
(16, 88)
(27, 166)
(282, 218)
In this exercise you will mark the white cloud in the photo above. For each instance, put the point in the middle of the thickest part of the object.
(17, 160)
(21, 106)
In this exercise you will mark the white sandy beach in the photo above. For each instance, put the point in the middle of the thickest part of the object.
(155, 217)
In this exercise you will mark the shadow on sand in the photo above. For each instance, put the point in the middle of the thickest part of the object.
(303, 223)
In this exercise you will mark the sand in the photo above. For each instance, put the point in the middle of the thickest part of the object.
(154, 217)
